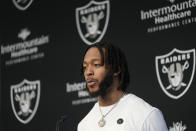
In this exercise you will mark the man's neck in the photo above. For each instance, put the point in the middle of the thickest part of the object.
(111, 97)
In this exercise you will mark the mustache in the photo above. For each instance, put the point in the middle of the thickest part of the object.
(91, 80)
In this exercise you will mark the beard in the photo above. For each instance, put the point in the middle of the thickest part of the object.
(104, 86)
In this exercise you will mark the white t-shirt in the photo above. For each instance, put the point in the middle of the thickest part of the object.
(130, 114)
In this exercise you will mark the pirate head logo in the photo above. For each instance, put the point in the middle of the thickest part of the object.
(22, 4)
(175, 72)
(25, 99)
(92, 21)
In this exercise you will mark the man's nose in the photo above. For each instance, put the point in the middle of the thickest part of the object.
(89, 71)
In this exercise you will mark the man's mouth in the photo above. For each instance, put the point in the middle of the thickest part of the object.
(91, 82)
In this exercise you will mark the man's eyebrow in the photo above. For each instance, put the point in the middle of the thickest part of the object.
(96, 59)
(93, 60)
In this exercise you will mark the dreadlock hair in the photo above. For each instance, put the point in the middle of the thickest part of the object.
(114, 59)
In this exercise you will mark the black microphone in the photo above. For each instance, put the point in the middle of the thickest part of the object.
(60, 120)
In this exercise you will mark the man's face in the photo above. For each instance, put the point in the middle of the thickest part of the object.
(94, 71)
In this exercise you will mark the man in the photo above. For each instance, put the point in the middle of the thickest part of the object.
(106, 73)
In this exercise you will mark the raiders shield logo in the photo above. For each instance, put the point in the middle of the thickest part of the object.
(92, 21)
(22, 4)
(175, 72)
(25, 99)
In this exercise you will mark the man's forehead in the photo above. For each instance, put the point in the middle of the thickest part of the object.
(91, 60)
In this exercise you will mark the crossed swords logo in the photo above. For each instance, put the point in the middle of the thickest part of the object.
(92, 24)
(175, 75)
(24, 101)
(92, 21)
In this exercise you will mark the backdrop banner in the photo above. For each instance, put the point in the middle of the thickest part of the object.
(42, 44)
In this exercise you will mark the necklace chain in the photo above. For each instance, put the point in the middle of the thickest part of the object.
(108, 111)
(101, 123)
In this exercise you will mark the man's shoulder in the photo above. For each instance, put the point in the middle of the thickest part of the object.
(136, 106)
(136, 109)
(136, 102)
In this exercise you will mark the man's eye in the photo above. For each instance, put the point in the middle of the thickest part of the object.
(96, 65)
